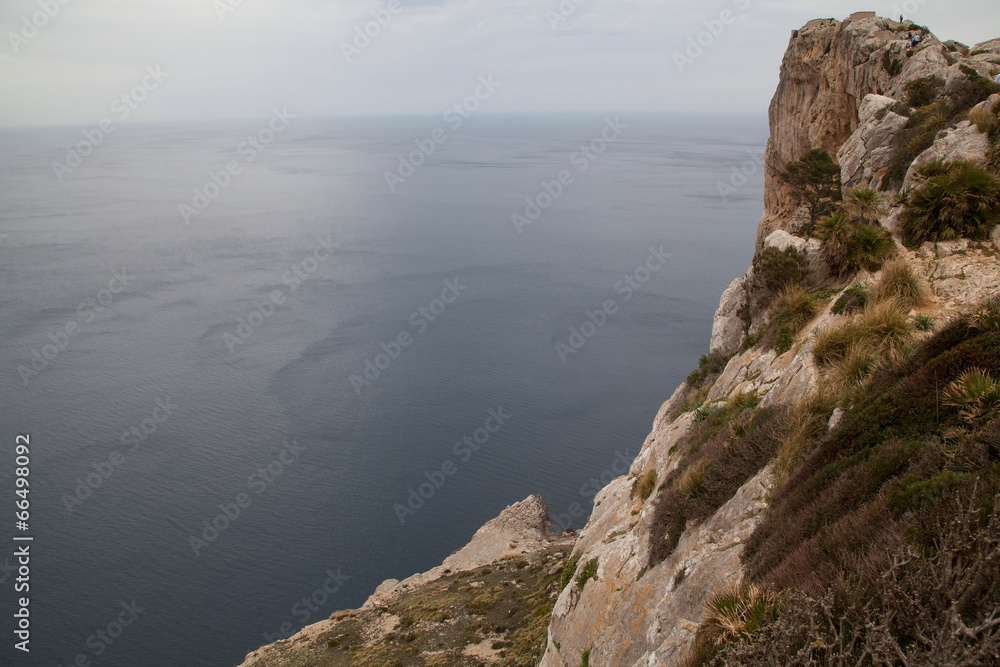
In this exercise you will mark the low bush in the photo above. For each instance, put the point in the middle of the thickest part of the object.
(963, 202)
(912, 603)
(899, 281)
(738, 612)
(643, 486)
(985, 119)
(834, 508)
(881, 329)
(587, 572)
(850, 245)
(774, 270)
(709, 366)
(976, 393)
(793, 309)
(921, 92)
(569, 569)
(852, 300)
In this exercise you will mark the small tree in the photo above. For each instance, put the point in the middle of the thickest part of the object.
(815, 180)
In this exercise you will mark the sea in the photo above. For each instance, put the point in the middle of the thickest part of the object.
(257, 367)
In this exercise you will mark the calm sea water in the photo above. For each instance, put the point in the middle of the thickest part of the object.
(196, 350)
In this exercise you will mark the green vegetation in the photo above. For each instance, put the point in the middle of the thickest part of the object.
(736, 613)
(776, 269)
(977, 394)
(852, 237)
(883, 533)
(585, 659)
(986, 119)
(569, 570)
(815, 180)
(791, 312)
(587, 572)
(962, 202)
(722, 452)
(882, 327)
(508, 604)
(852, 300)
(709, 366)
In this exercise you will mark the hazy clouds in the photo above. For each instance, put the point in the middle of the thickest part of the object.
(241, 58)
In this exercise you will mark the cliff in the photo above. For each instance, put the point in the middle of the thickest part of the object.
(754, 469)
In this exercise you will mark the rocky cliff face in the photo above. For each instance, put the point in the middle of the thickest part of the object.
(839, 83)
(839, 89)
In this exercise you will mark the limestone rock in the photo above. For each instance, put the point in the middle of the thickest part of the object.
(727, 327)
(525, 523)
(828, 68)
(870, 150)
(963, 142)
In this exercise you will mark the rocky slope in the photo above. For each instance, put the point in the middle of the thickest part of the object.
(626, 600)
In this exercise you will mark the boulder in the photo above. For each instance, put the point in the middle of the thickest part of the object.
(869, 152)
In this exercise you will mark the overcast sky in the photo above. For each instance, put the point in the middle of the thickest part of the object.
(241, 58)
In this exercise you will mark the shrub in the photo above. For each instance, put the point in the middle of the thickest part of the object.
(852, 300)
(898, 281)
(587, 572)
(695, 399)
(774, 270)
(921, 92)
(924, 124)
(815, 180)
(689, 484)
(881, 328)
(987, 316)
(892, 65)
(739, 612)
(884, 326)
(807, 419)
(709, 365)
(833, 342)
(963, 202)
(993, 157)
(725, 462)
(643, 486)
(870, 247)
(976, 393)
(865, 205)
(832, 511)
(910, 604)
(849, 246)
(791, 312)
(569, 569)
(932, 168)
(856, 366)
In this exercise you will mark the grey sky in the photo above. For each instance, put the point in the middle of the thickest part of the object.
(606, 55)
